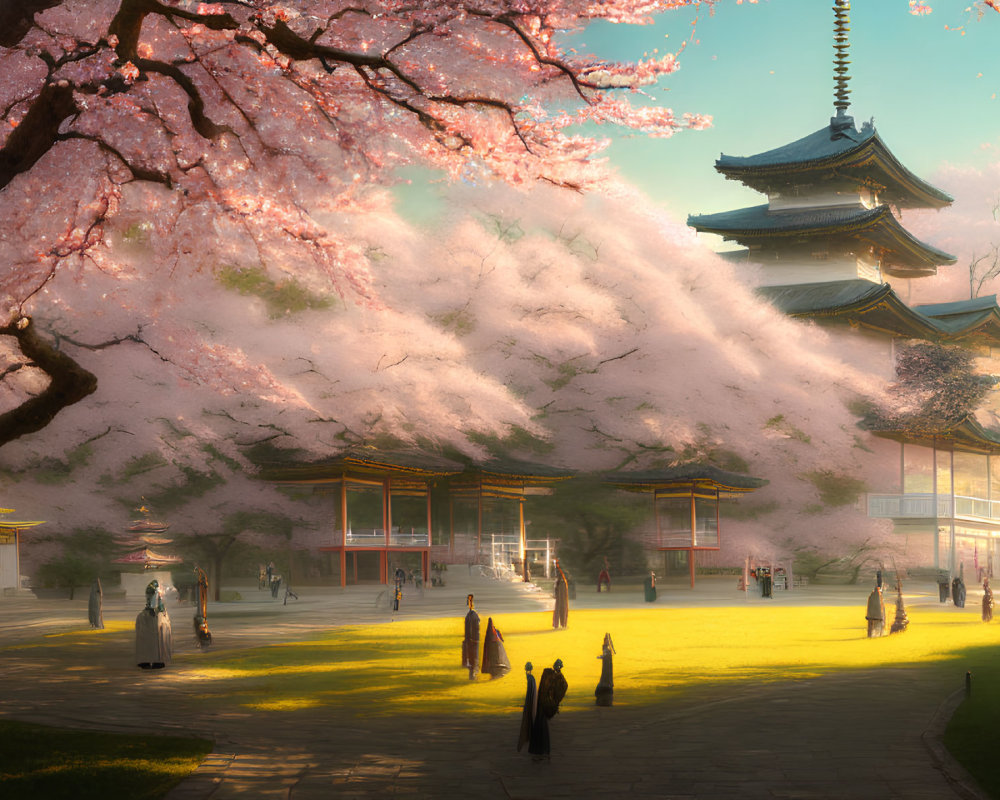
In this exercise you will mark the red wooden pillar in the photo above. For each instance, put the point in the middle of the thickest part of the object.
(694, 527)
(386, 524)
(343, 534)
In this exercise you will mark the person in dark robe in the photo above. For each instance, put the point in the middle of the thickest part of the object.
(153, 640)
(604, 577)
(649, 587)
(560, 614)
(551, 690)
(944, 585)
(201, 631)
(900, 623)
(766, 582)
(95, 606)
(495, 662)
(958, 587)
(470, 644)
(530, 708)
(875, 614)
(987, 600)
(605, 691)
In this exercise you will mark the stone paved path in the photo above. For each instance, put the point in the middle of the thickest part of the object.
(872, 734)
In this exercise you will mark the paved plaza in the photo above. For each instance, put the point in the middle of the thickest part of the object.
(869, 734)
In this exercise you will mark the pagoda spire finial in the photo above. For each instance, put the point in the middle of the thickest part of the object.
(841, 11)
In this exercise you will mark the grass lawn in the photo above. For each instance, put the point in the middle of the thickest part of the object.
(414, 667)
(970, 736)
(51, 763)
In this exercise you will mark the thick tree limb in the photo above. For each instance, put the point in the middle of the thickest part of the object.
(38, 131)
(17, 17)
(69, 383)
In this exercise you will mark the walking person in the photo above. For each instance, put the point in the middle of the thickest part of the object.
(495, 661)
(604, 577)
(875, 614)
(958, 587)
(605, 691)
(201, 631)
(470, 644)
(551, 690)
(530, 708)
(95, 605)
(649, 588)
(560, 614)
(987, 600)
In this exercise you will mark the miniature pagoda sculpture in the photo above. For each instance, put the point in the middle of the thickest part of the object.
(831, 195)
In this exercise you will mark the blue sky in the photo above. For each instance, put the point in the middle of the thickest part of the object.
(765, 74)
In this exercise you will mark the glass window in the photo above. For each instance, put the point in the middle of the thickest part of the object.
(943, 472)
(971, 478)
(501, 516)
(465, 522)
(674, 515)
(706, 522)
(364, 511)
(409, 513)
(918, 469)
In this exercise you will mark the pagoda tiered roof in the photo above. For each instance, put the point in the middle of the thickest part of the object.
(901, 252)
(836, 151)
(877, 307)
(977, 318)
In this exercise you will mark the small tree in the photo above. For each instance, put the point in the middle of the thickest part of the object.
(85, 555)
(983, 268)
(216, 546)
(592, 521)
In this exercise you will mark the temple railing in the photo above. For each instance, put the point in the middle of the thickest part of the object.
(375, 537)
(924, 505)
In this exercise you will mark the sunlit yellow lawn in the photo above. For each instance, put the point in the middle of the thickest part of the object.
(415, 666)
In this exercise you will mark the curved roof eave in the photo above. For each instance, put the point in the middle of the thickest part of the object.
(684, 475)
(871, 305)
(877, 307)
(966, 435)
(822, 152)
(877, 226)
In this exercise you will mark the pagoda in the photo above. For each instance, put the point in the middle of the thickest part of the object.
(834, 199)
(826, 243)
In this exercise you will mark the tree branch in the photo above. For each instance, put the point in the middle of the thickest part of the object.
(69, 383)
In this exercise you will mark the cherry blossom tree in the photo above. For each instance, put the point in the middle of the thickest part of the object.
(204, 266)
(228, 130)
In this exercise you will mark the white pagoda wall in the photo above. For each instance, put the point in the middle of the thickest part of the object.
(789, 271)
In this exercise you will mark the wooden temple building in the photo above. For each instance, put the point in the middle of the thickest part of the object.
(826, 245)
(386, 505)
(685, 500)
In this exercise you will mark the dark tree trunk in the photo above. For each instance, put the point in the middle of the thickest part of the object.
(69, 383)
(217, 574)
